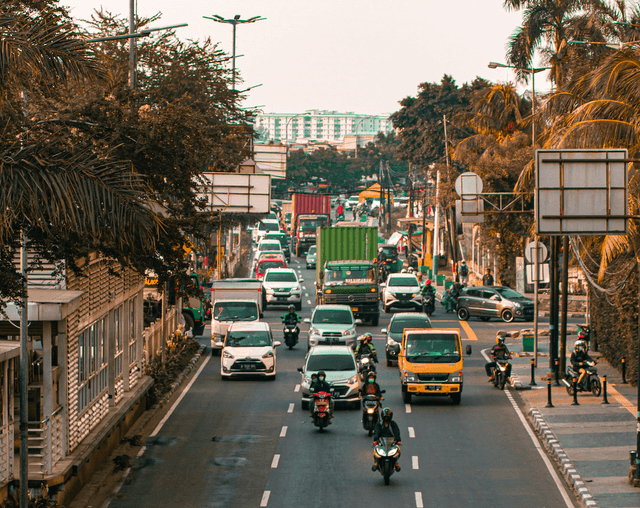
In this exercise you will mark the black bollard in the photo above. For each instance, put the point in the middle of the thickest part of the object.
(605, 400)
(549, 404)
(533, 373)
(575, 392)
(557, 373)
(624, 371)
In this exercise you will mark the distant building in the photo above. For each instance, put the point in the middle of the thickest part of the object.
(318, 125)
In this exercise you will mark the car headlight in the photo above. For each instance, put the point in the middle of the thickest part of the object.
(517, 305)
(346, 332)
(370, 410)
(227, 355)
(314, 331)
(352, 380)
(268, 355)
(269, 291)
(295, 291)
(409, 377)
(456, 379)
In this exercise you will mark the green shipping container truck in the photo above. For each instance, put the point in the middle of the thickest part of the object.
(346, 271)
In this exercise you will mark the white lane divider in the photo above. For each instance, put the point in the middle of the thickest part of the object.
(412, 432)
(414, 462)
(308, 302)
(283, 432)
(306, 294)
(419, 503)
(291, 406)
(297, 388)
(407, 408)
(265, 498)
(276, 459)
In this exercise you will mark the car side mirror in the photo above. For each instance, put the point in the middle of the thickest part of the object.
(358, 321)
(384, 330)
(306, 320)
(468, 350)
(300, 280)
(277, 343)
(300, 369)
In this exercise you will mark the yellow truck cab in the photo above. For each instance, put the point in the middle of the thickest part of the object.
(430, 363)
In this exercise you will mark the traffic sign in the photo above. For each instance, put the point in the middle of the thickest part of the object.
(543, 273)
(530, 252)
(468, 185)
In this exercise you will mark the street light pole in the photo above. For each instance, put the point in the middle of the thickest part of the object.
(233, 22)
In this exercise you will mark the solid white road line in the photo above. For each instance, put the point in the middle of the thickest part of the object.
(418, 500)
(291, 406)
(297, 388)
(412, 432)
(543, 454)
(274, 462)
(414, 462)
(265, 498)
(407, 408)
(179, 399)
(283, 432)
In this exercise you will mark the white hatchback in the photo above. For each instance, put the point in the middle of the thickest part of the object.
(249, 350)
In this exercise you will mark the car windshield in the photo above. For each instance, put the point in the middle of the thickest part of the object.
(308, 225)
(403, 281)
(269, 246)
(268, 226)
(398, 325)
(332, 316)
(248, 338)
(312, 249)
(236, 311)
(330, 363)
(390, 251)
(281, 277)
(508, 293)
(350, 275)
(264, 266)
(432, 348)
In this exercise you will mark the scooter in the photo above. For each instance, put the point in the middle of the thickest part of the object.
(428, 303)
(371, 411)
(500, 373)
(366, 364)
(383, 272)
(291, 333)
(590, 382)
(385, 454)
(321, 410)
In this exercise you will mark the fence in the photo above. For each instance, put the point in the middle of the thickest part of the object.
(6, 453)
(153, 333)
(44, 440)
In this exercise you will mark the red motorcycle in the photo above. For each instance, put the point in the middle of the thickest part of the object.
(321, 410)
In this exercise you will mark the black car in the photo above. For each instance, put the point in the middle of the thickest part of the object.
(486, 302)
(397, 325)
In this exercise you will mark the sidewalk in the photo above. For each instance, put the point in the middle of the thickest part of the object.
(590, 442)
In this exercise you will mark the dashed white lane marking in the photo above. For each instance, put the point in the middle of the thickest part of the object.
(407, 408)
(307, 295)
(418, 500)
(283, 432)
(308, 302)
(291, 406)
(297, 388)
(412, 432)
(414, 462)
(265, 498)
(276, 459)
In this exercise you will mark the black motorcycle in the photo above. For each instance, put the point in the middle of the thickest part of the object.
(428, 303)
(590, 382)
(383, 271)
(371, 411)
(386, 453)
(500, 373)
(366, 364)
(291, 333)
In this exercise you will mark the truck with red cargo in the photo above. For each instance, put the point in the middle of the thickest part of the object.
(308, 212)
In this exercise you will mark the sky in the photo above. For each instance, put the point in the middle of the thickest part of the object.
(363, 56)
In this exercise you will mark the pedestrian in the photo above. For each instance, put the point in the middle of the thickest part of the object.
(406, 251)
(464, 273)
(487, 280)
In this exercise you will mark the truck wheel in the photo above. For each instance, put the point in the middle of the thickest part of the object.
(456, 398)
(406, 398)
(375, 319)
(305, 405)
(189, 323)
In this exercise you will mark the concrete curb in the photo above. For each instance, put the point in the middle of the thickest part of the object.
(569, 314)
(558, 454)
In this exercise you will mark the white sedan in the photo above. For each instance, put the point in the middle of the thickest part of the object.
(249, 350)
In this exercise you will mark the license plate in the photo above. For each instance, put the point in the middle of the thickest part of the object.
(354, 309)
(434, 388)
(283, 298)
(248, 367)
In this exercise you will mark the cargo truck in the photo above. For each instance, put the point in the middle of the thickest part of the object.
(346, 270)
(308, 211)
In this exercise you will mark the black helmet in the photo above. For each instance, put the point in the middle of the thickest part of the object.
(322, 374)
(372, 374)
(387, 415)
(292, 307)
(500, 340)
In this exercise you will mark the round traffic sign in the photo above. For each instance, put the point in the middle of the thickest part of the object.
(468, 185)
(530, 252)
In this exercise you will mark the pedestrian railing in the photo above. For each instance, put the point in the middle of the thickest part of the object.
(6, 453)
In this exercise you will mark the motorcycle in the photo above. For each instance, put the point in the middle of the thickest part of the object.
(340, 217)
(291, 333)
(385, 454)
(500, 373)
(321, 410)
(371, 411)
(383, 271)
(590, 382)
(584, 333)
(366, 364)
(428, 303)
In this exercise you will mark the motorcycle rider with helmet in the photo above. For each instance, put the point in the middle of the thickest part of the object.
(365, 346)
(292, 318)
(579, 357)
(320, 385)
(386, 427)
(371, 387)
(498, 352)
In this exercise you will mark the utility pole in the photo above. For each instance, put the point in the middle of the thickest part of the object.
(388, 199)
(562, 354)
(132, 44)
(410, 190)
(436, 227)
(24, 379)
(380, 183)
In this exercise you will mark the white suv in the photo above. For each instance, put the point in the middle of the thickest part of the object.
(249, 349)
(332, 325)
(267, 246)
(282, 287)
(263, 227)
(402, 291)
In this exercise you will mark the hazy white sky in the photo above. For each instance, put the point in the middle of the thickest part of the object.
(345, 55)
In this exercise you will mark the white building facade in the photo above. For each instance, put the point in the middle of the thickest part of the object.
(318, 125)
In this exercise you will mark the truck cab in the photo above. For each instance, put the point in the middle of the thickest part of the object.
(304, 234)
(431, 363)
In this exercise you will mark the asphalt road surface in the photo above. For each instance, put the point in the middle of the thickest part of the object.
(248, 443)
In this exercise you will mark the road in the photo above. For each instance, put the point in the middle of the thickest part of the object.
(247, 443)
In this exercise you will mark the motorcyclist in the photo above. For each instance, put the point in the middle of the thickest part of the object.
(292, 318)
(428, 289)
(386, 427)
(498, 352)
(365, 346)
(340, 209)
(579, 357)
(371, 387)
(321, 385)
